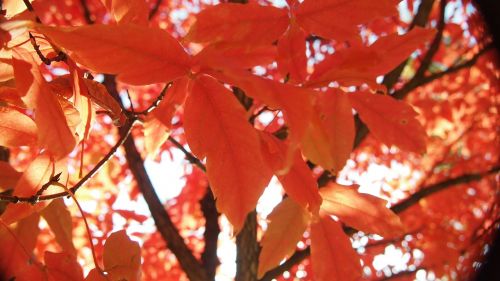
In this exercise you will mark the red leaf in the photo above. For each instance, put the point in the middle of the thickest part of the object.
(63, 266)
(128, 11)
(391, 121)
(292, 60)
(216, 127)
(330, 137)
(339, 19)
(288, 223)
(8, 176)
(251, 24)
(332, 255)
(174, 98)
(237, 56)
(362, 211)
(361, 64)
(295, 102)
(137, 54)
(16, 129)
(297, 180)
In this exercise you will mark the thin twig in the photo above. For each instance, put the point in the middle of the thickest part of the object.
(86, 12)
(157, 101)
(48, 61)
(155, 9)
(189, 156)
(15, 199)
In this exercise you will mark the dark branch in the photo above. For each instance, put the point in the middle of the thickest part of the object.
(209, 258)
(86, 12)
(155, 9)
(163, 222)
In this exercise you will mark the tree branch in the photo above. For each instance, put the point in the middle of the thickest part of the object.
(300, 255)
(86, 12)
(155, 9)
(209, 258)
(247, 254)
(164, 224)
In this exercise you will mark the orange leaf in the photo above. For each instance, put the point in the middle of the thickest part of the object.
(53, 130)
(361, 64)
(295, 102)
(174, 98)
(137, 54)
(251, 24)
(292, 60)
(8, 176)
(16, 259)
(362, 211)
(59, 220)
(330, 137)
(16, 129)
(288, 221)
(339, 19)
(128, 11)
(98, 93)
(238, 56)
(297, 180)
(391, 121)
(11, 97)
(332, 255)
(216, 127)
(63, 266)
(155, 134)
(37, 174)
(122, 257)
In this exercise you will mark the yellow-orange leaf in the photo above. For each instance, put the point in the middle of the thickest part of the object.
(122, 257)
(59, 220)
(330, 137)
(391, 121)
(216, 127)
(297, 180)
(362, 211)
(339, 19)
(155, 134)
(128, 11)
(288, 221)
(137, 54)
(16, 129)
(37, 174)
(249, 24)
(332, 255)
(53, 130)
(361, 64)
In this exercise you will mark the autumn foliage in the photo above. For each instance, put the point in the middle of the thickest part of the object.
(368, 127)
